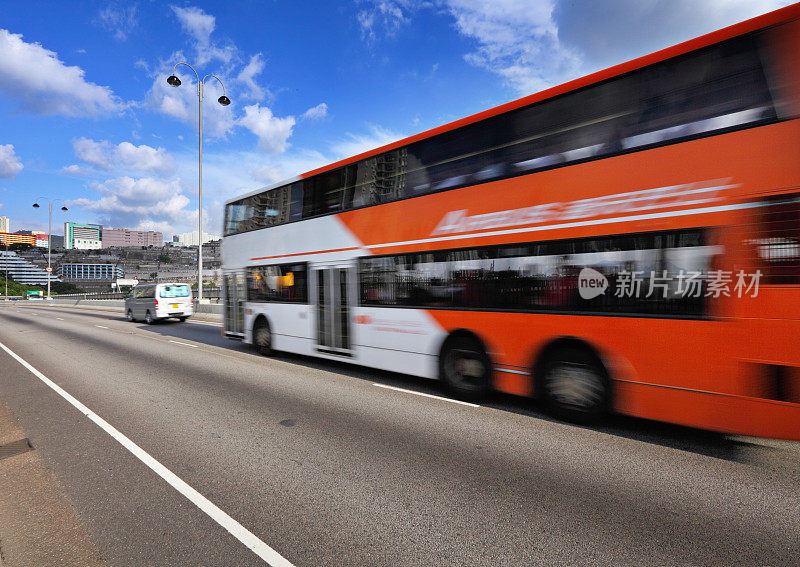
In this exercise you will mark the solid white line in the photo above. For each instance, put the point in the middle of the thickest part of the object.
(233, 527)
(184, 344)
(101, 326)
(426, 395)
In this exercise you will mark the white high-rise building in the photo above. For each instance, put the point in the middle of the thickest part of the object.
(191, 239)
(5, 224)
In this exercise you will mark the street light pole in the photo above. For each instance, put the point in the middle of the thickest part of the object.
(49, 234)
(224, 101)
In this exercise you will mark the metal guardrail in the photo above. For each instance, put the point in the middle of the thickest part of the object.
(211, 294)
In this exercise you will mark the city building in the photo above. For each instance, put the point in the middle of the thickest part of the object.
(13, 237)
(125, 237)
(5, 224)
(89, 271)
(191, 238)
(82, 236)
(41, 237)
(22, 271)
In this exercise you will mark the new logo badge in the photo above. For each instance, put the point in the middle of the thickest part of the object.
(591, 283)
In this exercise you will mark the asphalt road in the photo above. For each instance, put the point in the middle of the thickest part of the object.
(327, 469)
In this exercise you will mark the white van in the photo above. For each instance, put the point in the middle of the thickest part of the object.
(152, 302)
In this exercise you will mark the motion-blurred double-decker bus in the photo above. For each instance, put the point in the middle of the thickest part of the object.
(628, 241)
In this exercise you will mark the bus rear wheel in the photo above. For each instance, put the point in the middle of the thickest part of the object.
(465, 368)
(575, 387)
(262, 338)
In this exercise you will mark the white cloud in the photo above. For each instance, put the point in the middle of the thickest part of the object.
(118, 19)
(181, 102)
(319, 111)
(43, 84)
(125, 156)
(74, 170)
(10, 165)
(383, 17)
(128, 202)
(99, 154)
(534, 45)
(247, 77)
(355, 144)
(273, 132)
(200, 26)
(517, 40)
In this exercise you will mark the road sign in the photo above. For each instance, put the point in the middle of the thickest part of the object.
(49, 269)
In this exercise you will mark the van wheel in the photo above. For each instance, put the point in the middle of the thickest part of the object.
(182, 319)
(575, 386)
(465, 368)
(262, 338)
(148, 318)
(129, 315)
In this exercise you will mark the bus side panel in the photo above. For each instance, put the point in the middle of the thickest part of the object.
(682, 371)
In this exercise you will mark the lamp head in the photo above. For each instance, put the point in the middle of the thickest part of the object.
(64, 209)
(36, 205)
(223, 100)
(174, 81)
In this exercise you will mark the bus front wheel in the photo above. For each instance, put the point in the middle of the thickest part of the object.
(465, 368)
(574, 386)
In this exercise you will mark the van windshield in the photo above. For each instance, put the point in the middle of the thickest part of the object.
(175, 291)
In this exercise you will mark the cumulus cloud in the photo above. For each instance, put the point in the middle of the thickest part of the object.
(199, 25)
(125, 156)
(383, 17)
(247, 77)
(10, 165)
(74, 170)
(43, 84)
(354, 144)
(181, 102)
(126, 202)
(118, 19)
(517, 40)
(535, 45)
(319, 111)
(272, 132)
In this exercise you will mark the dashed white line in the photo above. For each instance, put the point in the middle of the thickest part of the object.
(426, 395)
(101, 327)
(59, 318)
(184, 344)
(233, 527)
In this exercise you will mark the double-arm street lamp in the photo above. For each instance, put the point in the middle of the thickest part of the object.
(224, 101)
(49, 233)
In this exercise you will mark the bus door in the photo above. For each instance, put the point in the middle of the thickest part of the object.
(333, 309)
(235, 296)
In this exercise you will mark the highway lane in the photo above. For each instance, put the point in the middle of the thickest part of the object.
(328, 469)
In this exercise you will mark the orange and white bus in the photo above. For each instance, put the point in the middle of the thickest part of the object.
(628, 241)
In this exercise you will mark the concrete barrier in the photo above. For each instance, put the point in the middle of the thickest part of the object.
(207, 311)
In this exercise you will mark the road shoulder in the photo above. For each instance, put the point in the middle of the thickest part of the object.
(39, 525)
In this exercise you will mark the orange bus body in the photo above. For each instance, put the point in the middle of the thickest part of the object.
(714, 372)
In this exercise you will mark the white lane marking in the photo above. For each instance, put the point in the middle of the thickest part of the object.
(233, 527)
(426, 395)
(101, 327)
(184, 344)
(59, 318)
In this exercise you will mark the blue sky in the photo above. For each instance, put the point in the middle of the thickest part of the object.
(86, 115)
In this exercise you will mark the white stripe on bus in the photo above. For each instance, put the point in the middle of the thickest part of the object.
(667, 214)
